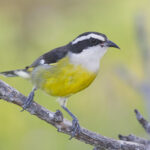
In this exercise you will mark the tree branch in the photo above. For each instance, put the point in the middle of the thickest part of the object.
(134, 138)
(63, 125)
(145, 124)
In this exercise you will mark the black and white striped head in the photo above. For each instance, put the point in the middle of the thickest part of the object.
(88, 49)
(90, 39)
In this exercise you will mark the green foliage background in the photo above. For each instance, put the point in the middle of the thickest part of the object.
(28, 28)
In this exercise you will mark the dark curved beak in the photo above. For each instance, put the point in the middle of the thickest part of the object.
(112, 44)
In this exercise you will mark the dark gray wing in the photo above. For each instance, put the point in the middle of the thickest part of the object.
(51, 57)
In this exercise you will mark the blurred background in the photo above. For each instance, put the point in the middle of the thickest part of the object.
(29, 28)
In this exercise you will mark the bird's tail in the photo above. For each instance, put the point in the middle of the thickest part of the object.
(14, 73)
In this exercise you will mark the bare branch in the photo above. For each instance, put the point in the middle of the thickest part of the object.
(132, 138)
(135, 139)
(56, 119)
(145, 124)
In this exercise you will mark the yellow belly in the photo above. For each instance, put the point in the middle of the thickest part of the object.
(65, 80)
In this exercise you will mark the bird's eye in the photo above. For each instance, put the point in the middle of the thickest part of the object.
(94, 41)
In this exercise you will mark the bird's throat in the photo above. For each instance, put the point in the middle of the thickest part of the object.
(88, 58)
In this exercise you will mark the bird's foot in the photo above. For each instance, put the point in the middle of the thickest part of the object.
(28, 101)
(75, 128)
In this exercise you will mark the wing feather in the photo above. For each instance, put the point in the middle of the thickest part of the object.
(50, 57)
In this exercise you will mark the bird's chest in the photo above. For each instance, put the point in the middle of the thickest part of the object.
(66, 80)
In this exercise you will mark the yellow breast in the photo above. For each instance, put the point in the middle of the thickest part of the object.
(65, 79)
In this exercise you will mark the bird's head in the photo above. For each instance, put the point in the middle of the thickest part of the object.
(88, 49)
(90, 40)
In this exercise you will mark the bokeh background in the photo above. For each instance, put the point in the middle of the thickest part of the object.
(28, 28)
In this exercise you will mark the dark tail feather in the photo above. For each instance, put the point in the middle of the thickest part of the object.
(8, 73)
(14, 73)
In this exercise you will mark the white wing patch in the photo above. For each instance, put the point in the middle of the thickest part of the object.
(42, 61)
(92, 35)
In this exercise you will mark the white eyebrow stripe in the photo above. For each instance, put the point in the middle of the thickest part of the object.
(92, 35)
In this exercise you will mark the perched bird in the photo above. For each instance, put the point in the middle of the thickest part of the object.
(66, 70)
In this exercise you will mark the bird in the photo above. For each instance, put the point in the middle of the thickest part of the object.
(66, 70)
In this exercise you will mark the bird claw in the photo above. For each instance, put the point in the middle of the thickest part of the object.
(26, 104)
(28, 101)
(75, 128)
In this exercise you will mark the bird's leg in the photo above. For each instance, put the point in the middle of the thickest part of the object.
(29, 99)
(75, 124)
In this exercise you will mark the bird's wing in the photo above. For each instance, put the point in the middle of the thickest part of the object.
(50, 57)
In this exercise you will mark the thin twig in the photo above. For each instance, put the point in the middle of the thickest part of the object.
(145, 124)
(132, 138)
(56, 119)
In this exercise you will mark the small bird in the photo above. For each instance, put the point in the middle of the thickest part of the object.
(66, 70)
